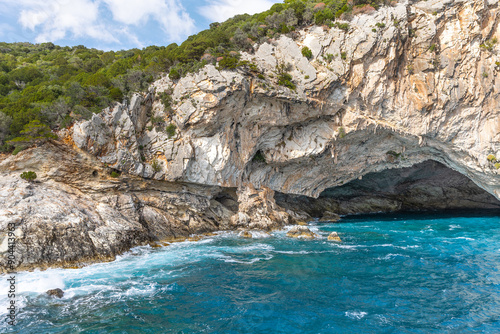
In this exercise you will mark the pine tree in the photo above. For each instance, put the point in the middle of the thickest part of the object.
(34, 133)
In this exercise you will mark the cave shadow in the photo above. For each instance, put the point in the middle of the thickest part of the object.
(427, 188)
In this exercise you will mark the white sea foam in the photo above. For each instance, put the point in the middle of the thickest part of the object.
(355, 315)
(391, 256)
(293, 252)
(345, 246)
(250, 261)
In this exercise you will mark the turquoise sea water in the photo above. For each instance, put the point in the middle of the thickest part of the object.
(391, 274)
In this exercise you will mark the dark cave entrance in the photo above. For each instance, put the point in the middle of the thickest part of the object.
(427, 186)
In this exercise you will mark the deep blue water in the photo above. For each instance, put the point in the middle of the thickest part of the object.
(406, 274)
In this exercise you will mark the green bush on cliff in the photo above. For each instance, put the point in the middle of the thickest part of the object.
(34, 133)
(341, 132)
(489, 44)
(306, 52)
(28, 176)
(171, 130)
(259, 157)
(155, 164)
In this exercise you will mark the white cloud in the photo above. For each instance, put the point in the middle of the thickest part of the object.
(173, 18)
(221, 10)
(54, 20)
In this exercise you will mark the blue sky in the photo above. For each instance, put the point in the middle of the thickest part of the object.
(115, 24)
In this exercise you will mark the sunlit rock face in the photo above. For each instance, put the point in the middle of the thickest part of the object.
(422, 84)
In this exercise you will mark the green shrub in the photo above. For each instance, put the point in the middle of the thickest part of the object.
(174, 74)
(116, 94)
(497, 165)
(18, 149)
(155, 164)
(432, 48)
(285, 79)
(380, 25)
(171, 130)
(306, 52)
(341, 132)
(28, 176)
(323, 16)
(166, 99)
(491, 158)
(343, 55)
(342, 26)
(115, 174)
(230, 61)
(34, 133)
(393, 153)
(259, 157)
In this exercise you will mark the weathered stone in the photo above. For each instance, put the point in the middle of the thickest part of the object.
(246, 234)
(301, 232)
(334, 237)
(56, 293)
(77, 214)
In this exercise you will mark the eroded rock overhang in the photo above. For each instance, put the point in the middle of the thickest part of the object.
(425, 186)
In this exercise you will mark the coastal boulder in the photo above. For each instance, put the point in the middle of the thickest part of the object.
(334, 237)
(246, 234)
(56, 293)
(301, 232)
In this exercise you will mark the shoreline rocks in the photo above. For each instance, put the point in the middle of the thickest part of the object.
(55, 293)
(334, 237)
(301, 232)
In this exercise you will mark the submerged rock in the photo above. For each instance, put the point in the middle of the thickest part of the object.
(246, 234)
(56, 293)
(334, 237)
(301, 232)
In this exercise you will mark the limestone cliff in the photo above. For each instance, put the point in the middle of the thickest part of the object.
(408, 83)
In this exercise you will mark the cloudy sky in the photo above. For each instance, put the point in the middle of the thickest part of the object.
(115, 24)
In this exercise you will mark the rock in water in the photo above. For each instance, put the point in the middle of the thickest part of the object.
(56, 292)
(301, 232)
(246, 234)
(334, 237)
(330, 216)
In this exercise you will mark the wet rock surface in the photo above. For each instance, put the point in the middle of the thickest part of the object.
(301, 232)
(56, 293)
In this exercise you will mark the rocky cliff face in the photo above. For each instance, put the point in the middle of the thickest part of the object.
(414, 82)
